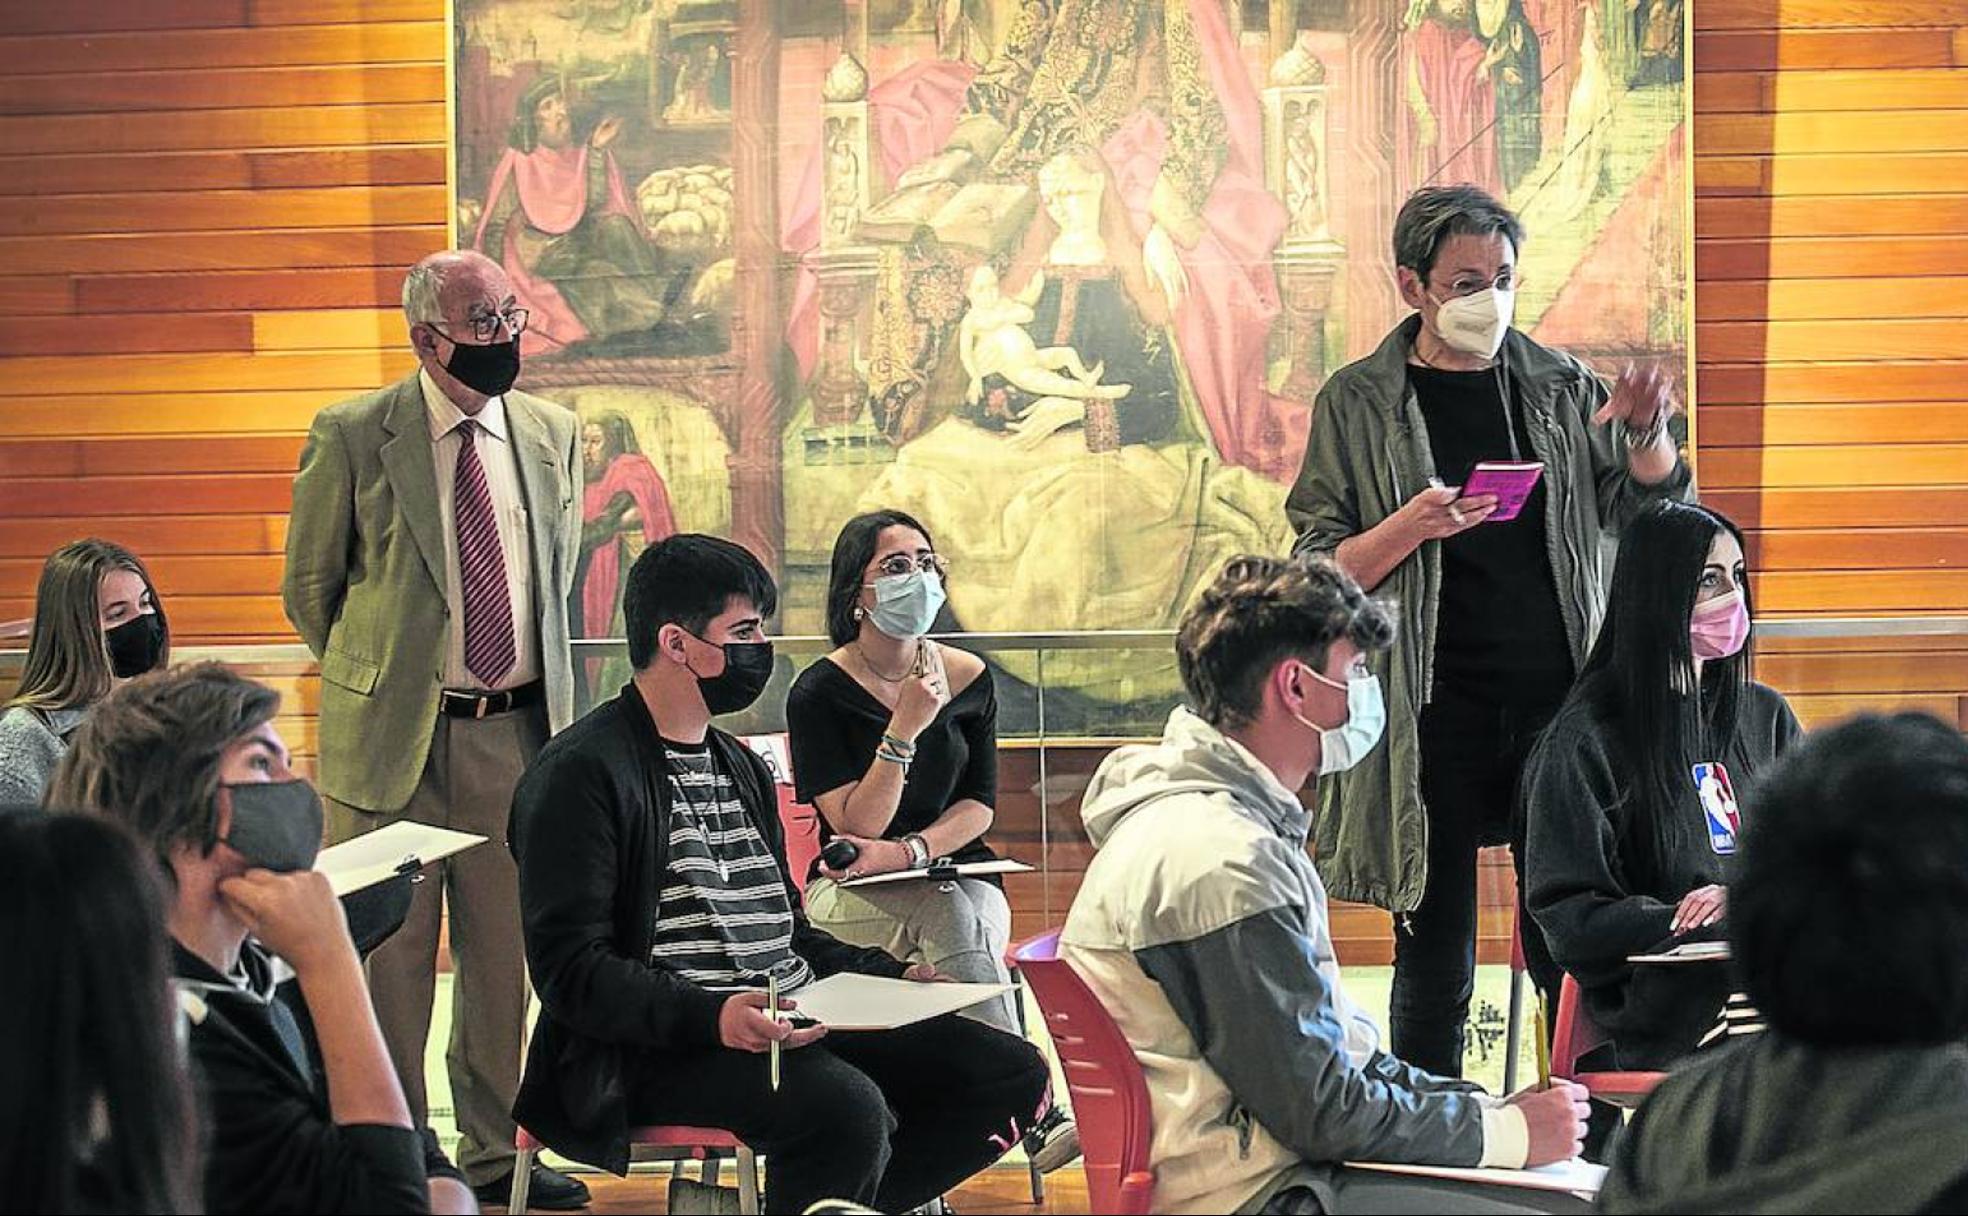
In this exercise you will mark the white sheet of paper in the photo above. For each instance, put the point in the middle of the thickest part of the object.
(1578, 1175)
(1688, 952)
(968, 869)
(868, 1002)
(369, 859)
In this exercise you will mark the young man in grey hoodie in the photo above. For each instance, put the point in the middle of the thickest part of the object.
(1203, 929)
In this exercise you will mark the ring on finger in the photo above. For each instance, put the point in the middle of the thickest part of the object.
(1457, 516)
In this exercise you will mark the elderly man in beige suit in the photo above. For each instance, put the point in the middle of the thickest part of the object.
(435, 530)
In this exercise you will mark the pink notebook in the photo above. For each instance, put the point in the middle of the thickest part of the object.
(1510, 482)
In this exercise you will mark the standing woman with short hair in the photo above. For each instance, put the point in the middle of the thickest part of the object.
(97, 623)
(1497, 608)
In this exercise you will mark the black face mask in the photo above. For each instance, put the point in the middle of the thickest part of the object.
(136, 645)
(490, 369)
(276, 826)
(747, 670)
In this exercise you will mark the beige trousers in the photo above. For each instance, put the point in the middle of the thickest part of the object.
(467, 785)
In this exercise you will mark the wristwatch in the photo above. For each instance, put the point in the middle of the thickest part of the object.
(918, 851)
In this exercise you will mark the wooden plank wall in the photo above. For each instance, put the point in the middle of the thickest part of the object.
(205, 207)
(1831, 302)
(205, 210)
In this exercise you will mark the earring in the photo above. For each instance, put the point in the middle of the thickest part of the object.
(859, 612)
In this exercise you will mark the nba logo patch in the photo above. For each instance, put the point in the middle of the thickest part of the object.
(1718, 803)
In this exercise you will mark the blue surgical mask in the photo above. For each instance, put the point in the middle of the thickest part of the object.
(906, 604)
(1343, 746)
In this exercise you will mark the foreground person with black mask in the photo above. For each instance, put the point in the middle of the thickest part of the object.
(189, 761)
(430, 555)
(657, 903)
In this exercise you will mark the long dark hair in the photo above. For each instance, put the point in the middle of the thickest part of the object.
(96, 1110)
(1641, 672)
(854, 548)
(67, 664)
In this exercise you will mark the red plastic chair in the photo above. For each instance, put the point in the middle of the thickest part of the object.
(1575, 1034)
(703, 1144)
(1110, 1098)
(800, 821)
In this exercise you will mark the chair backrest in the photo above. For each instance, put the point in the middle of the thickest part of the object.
(1575, 1033)
(1110, 1097)
(800, 822)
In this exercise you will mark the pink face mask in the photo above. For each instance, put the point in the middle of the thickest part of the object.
(1718, 628)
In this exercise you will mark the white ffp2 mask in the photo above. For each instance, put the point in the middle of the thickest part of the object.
(1475, 325)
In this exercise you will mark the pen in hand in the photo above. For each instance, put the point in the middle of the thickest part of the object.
(772, 1011)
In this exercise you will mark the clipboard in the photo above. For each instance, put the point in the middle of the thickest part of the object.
(945, 871)
(1687, 952)
(403, 847)
(865, 1002)
(1577, 1176)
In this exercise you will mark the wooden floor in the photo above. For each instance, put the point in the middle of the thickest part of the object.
(1005, 1189)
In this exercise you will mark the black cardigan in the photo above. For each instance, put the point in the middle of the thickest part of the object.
(590, 831)
(272, 1144)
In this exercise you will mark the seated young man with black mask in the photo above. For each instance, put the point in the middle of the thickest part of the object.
(190, 762)
(656, 903)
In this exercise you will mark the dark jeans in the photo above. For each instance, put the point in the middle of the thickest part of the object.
(888, 1119)
(1472, 755)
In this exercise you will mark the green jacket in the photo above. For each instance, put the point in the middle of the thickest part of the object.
(364, 581)
(1367, 456)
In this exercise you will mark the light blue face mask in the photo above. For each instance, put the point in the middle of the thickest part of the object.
(906, 604)
(1343, 746)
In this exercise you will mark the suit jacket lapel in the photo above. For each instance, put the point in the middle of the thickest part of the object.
(410, 463)
(533, 450)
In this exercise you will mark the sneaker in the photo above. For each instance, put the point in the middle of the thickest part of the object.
(1055, 1142)
(550, 1190)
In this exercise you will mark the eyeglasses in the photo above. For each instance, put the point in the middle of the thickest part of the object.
(486, 328)
(1470, 284)
(901, 563)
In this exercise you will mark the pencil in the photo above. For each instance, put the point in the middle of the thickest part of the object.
(772, 1011)
(1543, 1046)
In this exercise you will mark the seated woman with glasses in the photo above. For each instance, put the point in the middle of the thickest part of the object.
(894, 741)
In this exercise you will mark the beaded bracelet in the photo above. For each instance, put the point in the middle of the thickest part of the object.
(1637, 440)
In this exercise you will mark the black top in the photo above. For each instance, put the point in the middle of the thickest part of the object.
(1597, 906)
(591, 830)
(1499, 635)
(834, 726)
(272, 1143)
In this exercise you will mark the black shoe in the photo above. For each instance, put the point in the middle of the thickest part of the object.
(550, 1190)
(1054, 1143)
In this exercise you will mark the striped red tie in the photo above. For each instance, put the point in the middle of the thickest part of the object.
(489, 650)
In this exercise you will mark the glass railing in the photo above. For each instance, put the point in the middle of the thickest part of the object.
(1067, 699)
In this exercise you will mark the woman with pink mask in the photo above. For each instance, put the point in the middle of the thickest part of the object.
(1636, 796)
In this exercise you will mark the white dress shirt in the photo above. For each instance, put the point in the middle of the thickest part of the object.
(496, 456)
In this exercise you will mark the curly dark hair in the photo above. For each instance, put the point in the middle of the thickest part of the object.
(1261, 611)
(1855, 865)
